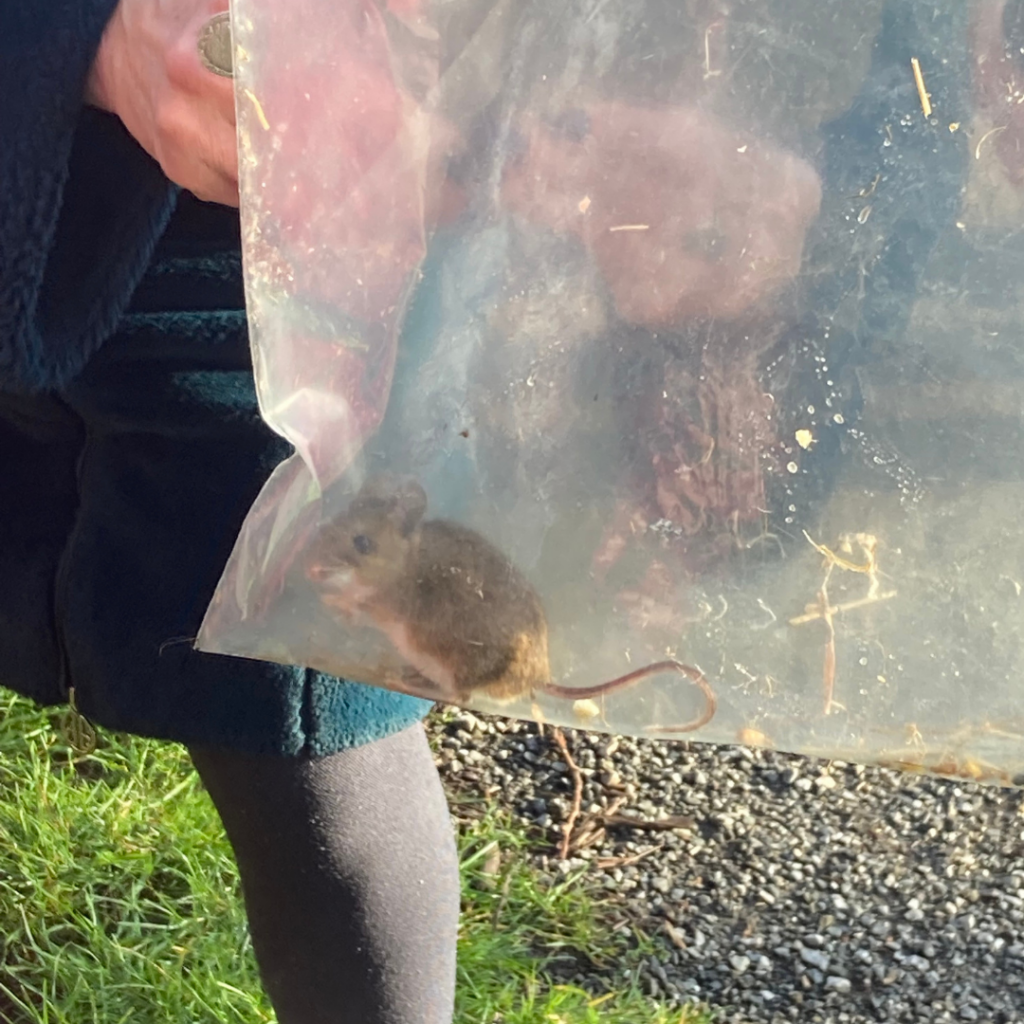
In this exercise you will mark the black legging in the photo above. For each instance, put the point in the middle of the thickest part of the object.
(350, 879)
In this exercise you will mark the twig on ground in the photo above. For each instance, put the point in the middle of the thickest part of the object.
(621, 862)
(653, 824)
(577, 793)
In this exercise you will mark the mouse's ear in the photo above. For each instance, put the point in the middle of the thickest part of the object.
(401, 500)
(410, 504)
(380, 487)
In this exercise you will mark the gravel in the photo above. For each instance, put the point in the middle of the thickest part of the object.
(790, 889)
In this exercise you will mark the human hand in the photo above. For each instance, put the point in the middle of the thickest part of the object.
(148, 72)
(351, 164)
(684, 216)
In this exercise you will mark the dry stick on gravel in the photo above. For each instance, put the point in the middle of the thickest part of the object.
(622, 862)
(591, 829)
(653, 824)
(577, 793)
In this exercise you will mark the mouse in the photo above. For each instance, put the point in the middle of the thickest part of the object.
(456, 609)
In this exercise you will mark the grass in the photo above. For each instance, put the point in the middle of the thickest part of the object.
(518, 931)
(119, 902)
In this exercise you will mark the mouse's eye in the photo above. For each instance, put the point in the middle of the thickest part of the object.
(362, 543)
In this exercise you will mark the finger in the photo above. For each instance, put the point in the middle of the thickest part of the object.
(215, 187)
(221, 179)
(196, 150)
(220, 94)
(219, 149)
(190, 76)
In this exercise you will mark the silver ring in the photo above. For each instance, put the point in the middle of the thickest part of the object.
(215, 44)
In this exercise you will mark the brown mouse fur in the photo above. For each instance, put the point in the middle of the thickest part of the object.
(454, 606)
(458, 611)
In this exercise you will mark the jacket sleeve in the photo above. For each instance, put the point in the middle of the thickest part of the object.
(81, 203)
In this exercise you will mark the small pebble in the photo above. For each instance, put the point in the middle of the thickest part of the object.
(815, 958)
(739, 963)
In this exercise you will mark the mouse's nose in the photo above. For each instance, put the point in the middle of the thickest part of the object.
(316, 572)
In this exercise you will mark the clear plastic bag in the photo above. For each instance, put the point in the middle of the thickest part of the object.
(614, 334)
